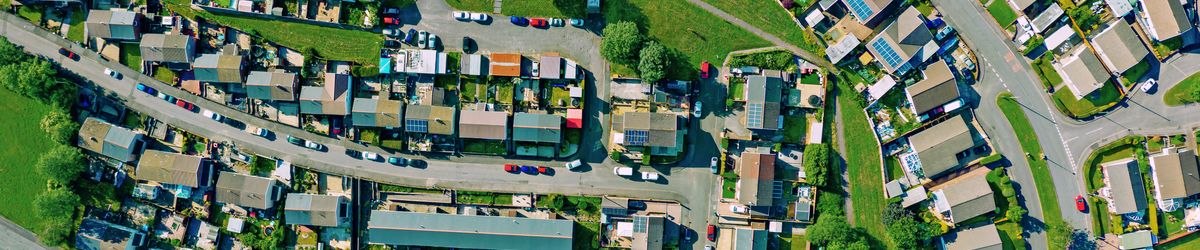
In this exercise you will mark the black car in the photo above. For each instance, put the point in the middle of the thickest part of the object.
(391, 43)
(295, 141)
(468, 44)
(68, 54)
(354, 153)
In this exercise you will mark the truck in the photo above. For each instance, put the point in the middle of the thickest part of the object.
(623, 171)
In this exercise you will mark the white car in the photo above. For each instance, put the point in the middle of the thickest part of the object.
(536, 68)
(1148, 85)
(313, 145)
(737, 209)
(480, 17)
(112, 73)
(371, 156)
(392, 32)
(211, 115)
(260, 132)
(713, 165)
(696, 111)
(649, 176)
(574, 164)
(422, 39)
(623, 171)
(462, 15)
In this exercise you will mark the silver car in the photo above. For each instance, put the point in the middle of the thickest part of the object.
(422, 39)
(480, 17)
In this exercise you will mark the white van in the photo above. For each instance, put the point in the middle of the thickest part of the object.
(649, 176)
(623, 171)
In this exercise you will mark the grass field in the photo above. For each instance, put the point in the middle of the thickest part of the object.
(1091, 104)
(357, 46)
(23, 142)
(75, 33)
(544, 8)
(769, 16)
(1182, 93)
(1041, 171)
(472, 5)
(796, 242)
(864, 166)
(1188, 242)
(702, 37)
(131, 56)
(1003, 13)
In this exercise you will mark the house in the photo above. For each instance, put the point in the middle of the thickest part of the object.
(1021, 5)
(575, 118)
(1174, 177)
(1119, 8)
(871, 12)
(1126, 191)
(842, 48)
(248, 191)
(904, 43)
(110, 140)
(1163, 19)
(485, 125)
(425, 61)
(505, 65)
(272, 86)
(1119, 47)
(537, 128)
(937, 93)
(1047, 18)
(368, 112)
(467, 231)
(963, 199)
(113, 25)
(939, 146)
(426, 119)
(1082, 72)
(218, 68)
(648, 232)
(762, 95)
(174, 168)
(757, 173)
(981, 237)
(654, 130)
(570, 70)
(96, 234)
(316, 210)
(1142, 239)
(331, 99)
(749, 239)
(474, 65)
(173, 51)
(551, 68)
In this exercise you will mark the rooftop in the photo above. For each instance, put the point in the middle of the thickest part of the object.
(468, 231)
(172, 168)
(938, 146)
(1119, 47)
(491, 125)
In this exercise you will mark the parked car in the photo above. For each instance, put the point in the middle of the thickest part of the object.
(543, 170)
(147, 89)
(1080, 203)
(712, 164)
(398, 161)
(519, 21)
(371, 156)
(529, 169)
(112, 73)
(390, 11)
(422, 39)
(391, 44)
(512, 168)
(577, 22)
(166, 97)
(480, 17)
(211, 115)
(558, 22)
(738, 209)
(1149, 85)
(539, 23)
(704, 68)
(574, 164)
(708, 247)
(433, 41)
(466, 44)
(696, 110)
(314, 146)
(623, 171)
(184, 104)
(411, 36)
(295, 141)
(462, 15)
(354, 153)
(649, 176)
(536, 69)
(392, 32)
(68, 54)
(260, 132)
(391, 20)
(712, 233)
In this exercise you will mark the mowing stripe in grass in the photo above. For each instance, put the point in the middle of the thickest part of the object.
(866, 172)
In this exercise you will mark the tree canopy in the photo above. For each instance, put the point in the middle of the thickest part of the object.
(621, 42)
(816, 164)
(904, 227)
(653, 62)
(833, 232)
(59, 126)
(61, 165)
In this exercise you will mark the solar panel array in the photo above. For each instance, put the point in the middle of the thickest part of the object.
(636, 137)
(640, 223)
(419, 126)
(861, 10)
(886, 52)
(754, 118)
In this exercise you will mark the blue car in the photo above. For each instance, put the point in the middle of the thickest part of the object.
(411, 34)
(529, 170)
(146, 89)
(519, 20)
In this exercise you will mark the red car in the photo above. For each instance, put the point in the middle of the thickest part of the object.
(184, 105)
(391, 20)
(712, 233)
(543, 169)
(512, 168)
(1080, 204)
(539, 22)
(68, 54)
(704, 70)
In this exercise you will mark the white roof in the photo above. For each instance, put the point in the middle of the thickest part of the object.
(881, 87)
(473, 65)
(843, 47)
(425, 62)
(570, 70)
(235, 224)
(815, 16)
(1060, 36)
(1119, 8)
(625, 229)
(575, 91)
(814, 132)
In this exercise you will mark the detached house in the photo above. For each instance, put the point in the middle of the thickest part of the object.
(1119, 47)
(248, 191)
(1175, 177)
(763, 95)
(369, 112)
(940, 148)
(657, 131)
(174, 168)
(172, 51)
(1127, 193)
(937, 94)
(317, 210)
(1163, 19)
(537, 128)
(331, 99)
(963, 199)
(976, 238)
(218, 68)
(271, 86)
(110, 140)
(904, 43)
(1082, 72)
(97, 234)
(113, 25)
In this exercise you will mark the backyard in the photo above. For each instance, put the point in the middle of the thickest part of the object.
(1042, 66)
(23, 141)
(1091, 104)
(75, 32)
(1041, 172)
(703, 37)
(794, 128)
(486, 198)
(1101, 220)
(1186, 91)
(864, 167)
(728, 184)
(771, 17)
(1135, 74)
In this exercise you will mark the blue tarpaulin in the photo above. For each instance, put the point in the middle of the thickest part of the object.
(385, 65)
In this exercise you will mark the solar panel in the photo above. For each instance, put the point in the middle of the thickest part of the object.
(640, 224)
(419, 126)
(636, 137)
(889, 55)
(754, 116)
(861, 10)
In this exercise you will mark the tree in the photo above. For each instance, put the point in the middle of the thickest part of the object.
(1015, 213)
(56, 203)
(621, 42)
(816, 164)
(1059, 234)
(61, 165)
(555, 202)
(834, 232)
(904, 228)
(57, 231)
(653, 63)
(59, 126)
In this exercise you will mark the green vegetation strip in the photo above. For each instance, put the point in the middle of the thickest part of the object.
(1091, 104)
(543, 8)
(1003, 13)
(23, 141)
(772, 18)
(864, 166)
(1187, 91)
(1041, 171)
(473, 5)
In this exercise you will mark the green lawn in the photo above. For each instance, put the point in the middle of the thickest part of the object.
(1168, 47)
(485, 147)
(1132, 75)
(1189, 242)
(474, 5)
(771, 17)
(31, 13)
(1003, 13)
(24, 141)
(1182, 92)
(1042, 66)
(702, 37)
(586, 235)
(796, 242)
(131, 56)
(543, 8)
(1041, 171)
(472, 90)
(737, 86)
(165, 75)
(862, 163)
(75, 32)
(795, 128)
(560, 97)
(894, 169)
(728, 183)
(1010, 235)
(1091, 104)
(357, 46)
